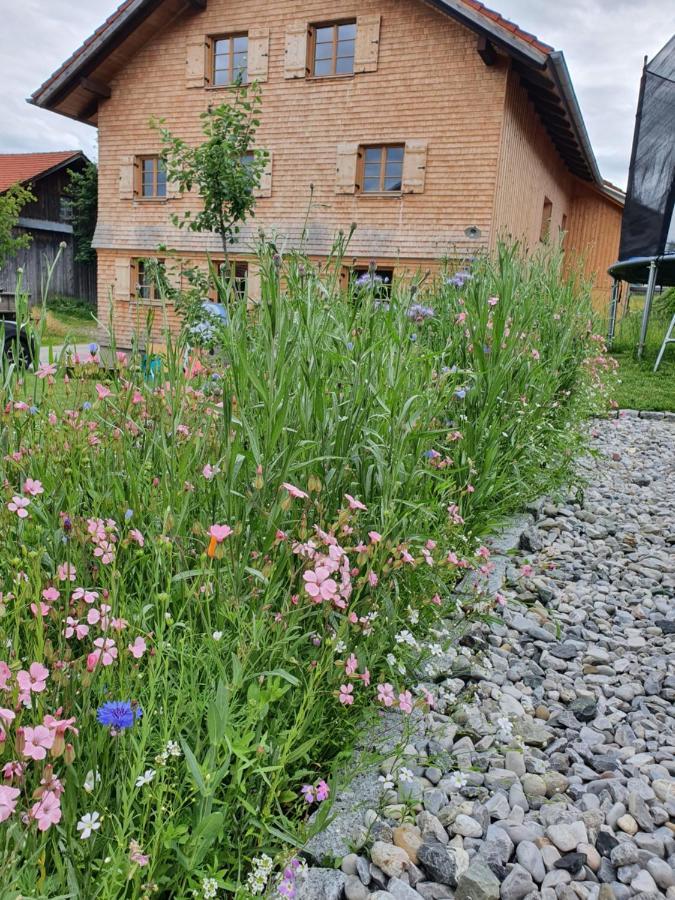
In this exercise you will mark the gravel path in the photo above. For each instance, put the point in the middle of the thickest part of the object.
(550, 770)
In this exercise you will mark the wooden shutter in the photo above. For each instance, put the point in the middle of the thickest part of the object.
(173, 270)
(258, 53)
(367, 47)
(265, 187)
(253, 285)
(172, 191)
(347, 160)
(122, 279)
(414, 167)
(295, 57)
(127, 177)
(197, 62)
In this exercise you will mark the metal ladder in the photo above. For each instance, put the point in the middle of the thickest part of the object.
(668, 339)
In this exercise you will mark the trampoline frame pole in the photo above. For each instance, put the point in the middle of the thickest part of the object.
(651, 285)
(613, 304)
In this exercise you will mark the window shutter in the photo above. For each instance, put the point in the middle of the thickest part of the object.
(347, 159)
(172, 191)
(122, 279)
(253, 285)
(197, 62)
(367, 47)
(173, 273)
(127, 177)
(414, 167)
(295, 58)
(265, 187)
(258, 53)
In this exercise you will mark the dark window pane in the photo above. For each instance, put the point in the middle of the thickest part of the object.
(240, 44)
(324, 51)
(324, 34)
(347, 31)
(323, 67)
(344, 66)
(371, 184)
(395, 153)
(392, 184)
(373, 154)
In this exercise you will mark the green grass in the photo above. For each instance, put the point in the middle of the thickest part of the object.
(637, 385)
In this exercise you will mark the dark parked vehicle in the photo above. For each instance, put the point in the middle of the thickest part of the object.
(12, 337)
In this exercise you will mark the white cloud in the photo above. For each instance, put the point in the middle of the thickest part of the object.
(604, 42)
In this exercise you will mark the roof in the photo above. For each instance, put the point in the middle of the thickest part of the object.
(77, 87)
(25, 167)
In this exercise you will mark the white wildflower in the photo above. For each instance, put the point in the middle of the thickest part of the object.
(88, 824)
(405, 776)
(209, 888)
(91, 780)
(145, 778)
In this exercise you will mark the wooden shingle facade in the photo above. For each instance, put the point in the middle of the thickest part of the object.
(472, 123)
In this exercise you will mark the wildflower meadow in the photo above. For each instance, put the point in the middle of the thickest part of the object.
(215, 570)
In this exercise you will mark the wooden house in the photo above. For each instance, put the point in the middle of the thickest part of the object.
(47, 220)
(435, 126)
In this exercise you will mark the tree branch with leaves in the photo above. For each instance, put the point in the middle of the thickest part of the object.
(12, 201)
(225, 169)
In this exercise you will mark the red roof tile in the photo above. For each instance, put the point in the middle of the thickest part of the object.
(509, 26)
(23, 167)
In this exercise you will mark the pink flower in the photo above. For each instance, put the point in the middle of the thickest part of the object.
(345, 697)
(354, 503)
(483, 552)
(295, 491)
(37, 741)
(18, 505)
(500, 599)
(47, 811)
(526, 570)
(405, 702)
(372, 579)
(322, 791)
(436, 600)
(33, 487)
(375, 536)
(319, 585)
(138, 648)
(135, 855)
(105, 653)
(493, 301)
(46, 370)
(35, 679)
(535, 354)
(385, 694)
(351, 665)
(220, 532)
(83, 594)
(136, 535)
(5, 675)
(453, 513)
(8, 800)
(66, 572)
(307, 791)
(209, 472)
(12, 770)
(103, 391)
(50, 594)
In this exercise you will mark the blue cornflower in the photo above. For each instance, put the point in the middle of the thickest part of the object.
(118, 714)
(128, 514)
(419, 312)
(32, 410)
(459, 279)
(460, 393)
(93, 348)
(86, 405)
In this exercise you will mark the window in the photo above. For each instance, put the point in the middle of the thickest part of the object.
(546, 216)
(563, 231)
(146, 279)
(239, 280)
(332, 49)
(382, 169)
(152, 176)
(65, 210)
(230, 59)
(379, 280)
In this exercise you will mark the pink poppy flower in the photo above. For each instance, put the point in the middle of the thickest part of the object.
(46, 370)
(209, 472)
(8, 800)
(385, 694)
(33, 487)
(50, 594)
(405, 702)
(345, 697)
(83, 594)
(103, 391)
(220, 532)
(47, 811)
(105, 653)
(138, 648)
(375, 536)
(35, 679)
(36, 741)
(18, 505)
(295, 491)
(354, 503)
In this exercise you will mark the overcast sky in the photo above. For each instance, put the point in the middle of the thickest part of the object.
(604, 42)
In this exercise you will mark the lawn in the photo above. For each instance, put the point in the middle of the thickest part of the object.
(638, 386)
(67, 320)
(211, 583)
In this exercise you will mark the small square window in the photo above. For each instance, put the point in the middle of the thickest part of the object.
(147, 275)
(546, 216)
(382, 169)
(239, 280)
(152, 176)
(230, 60)
(378, 280)
(332, 49)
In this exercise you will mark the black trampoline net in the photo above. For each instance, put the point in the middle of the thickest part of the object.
(648, 227)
